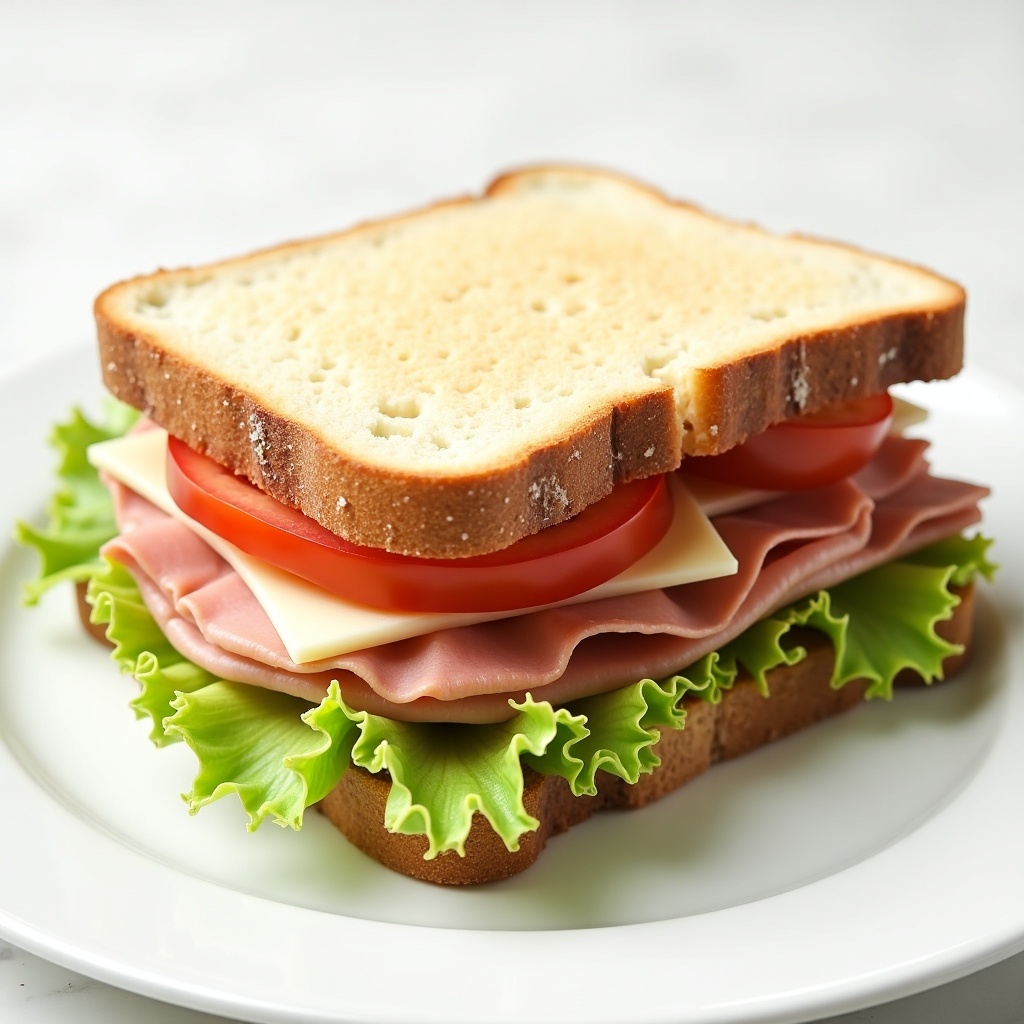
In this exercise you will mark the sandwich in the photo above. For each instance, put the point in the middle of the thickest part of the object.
(462, 525)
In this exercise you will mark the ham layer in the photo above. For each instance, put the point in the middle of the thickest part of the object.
(787, 548)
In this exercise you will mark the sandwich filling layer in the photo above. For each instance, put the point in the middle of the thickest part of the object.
(281, 754)
(786, 548)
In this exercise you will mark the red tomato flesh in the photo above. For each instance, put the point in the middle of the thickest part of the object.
(808, 451)
(555, 564)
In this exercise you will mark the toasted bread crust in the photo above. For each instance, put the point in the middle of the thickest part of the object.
(744, 397)
(420, 515)
(463, 512)
(743, 721)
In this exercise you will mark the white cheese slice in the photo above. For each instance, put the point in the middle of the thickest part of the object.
(718, 499)
(315, 624)
(905, 415)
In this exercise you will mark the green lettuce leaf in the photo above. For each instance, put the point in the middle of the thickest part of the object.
(617, 732)
(882, 622)
(891, 614)
(442, 773)
(321, 767)
(81, 516)
(140, 647)
(967, 555)
(759, 649)
(257, 744)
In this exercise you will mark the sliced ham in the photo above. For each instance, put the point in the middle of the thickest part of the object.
(786, 549)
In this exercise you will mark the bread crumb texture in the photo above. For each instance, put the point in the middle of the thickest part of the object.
(485, 339)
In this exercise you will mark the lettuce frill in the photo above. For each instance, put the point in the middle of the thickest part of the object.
(81, 516)
(280, 755)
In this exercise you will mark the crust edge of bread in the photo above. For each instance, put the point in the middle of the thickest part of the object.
(742, 722)
(482, 511)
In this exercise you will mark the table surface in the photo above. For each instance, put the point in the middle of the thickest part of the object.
(134, 139)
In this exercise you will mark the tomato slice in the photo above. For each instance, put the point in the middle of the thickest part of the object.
(807, 451)
(557, 563)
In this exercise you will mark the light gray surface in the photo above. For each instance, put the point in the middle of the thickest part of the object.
(137, 136)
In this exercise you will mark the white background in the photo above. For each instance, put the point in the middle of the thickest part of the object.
(135, 136)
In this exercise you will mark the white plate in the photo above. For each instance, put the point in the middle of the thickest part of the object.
(865, 859)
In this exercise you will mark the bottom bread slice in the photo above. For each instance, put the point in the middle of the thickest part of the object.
(744, 719)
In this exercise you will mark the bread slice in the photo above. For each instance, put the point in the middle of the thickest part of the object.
(445, 382)
(743, 721)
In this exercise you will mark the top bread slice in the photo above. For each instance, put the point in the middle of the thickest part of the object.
(447, 381)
